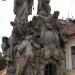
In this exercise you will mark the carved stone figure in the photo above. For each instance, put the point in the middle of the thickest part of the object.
(23, 8)
(32, 45)
(58, 28)
(24, 51)
(30, 4)
(43, 7)
(5, 44)
(20, 9)
(5, 47)
(49, 33)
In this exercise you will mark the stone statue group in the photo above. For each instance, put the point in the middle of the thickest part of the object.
(23, 8)
(43, 32)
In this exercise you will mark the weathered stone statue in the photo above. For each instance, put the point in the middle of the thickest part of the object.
(55, 24)
(24, 51)
(6, 47)
(23, 8)
(5, 44)
(44, 7)
(30, 4)
(49, 33)
(51, 37)
(34, 45)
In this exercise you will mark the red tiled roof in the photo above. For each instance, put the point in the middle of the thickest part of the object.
(70, 29)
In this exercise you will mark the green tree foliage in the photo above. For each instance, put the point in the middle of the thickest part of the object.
(2, 61)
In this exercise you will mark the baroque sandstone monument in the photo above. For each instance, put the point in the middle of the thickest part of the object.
(35, 47)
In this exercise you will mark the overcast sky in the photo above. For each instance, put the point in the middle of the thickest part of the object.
(7, 15)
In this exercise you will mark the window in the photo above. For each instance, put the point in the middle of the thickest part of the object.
(73, 56)
(50, 69)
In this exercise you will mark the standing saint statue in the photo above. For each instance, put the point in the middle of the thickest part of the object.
(49, 33)
(44, 7)
(23, 8)
(24, 51)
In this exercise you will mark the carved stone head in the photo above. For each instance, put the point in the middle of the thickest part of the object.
(56, 14)
(4, 39)
(5, 45)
